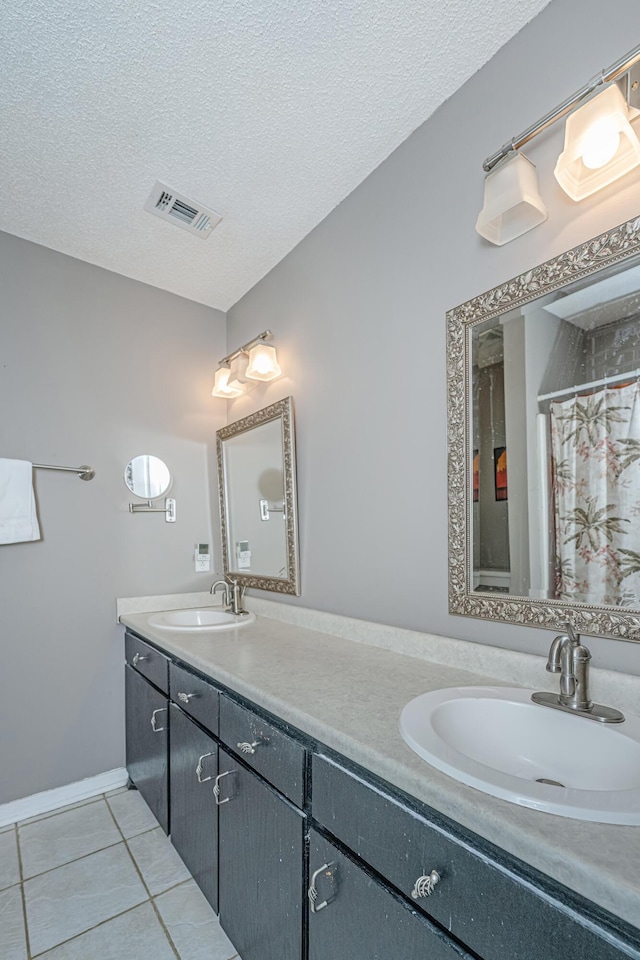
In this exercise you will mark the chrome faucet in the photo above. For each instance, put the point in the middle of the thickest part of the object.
(232, 596)
(225, 591)
(569, 658)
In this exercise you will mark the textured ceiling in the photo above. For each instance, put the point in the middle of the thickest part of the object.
(268, 111)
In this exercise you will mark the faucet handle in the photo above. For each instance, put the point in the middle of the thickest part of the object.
(570, 632)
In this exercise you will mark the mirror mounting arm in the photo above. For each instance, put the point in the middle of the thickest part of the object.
(169, 508)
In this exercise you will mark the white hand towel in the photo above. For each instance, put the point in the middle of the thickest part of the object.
(18, 519)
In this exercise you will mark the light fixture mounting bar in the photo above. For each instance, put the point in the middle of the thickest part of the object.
(265, 335)
(614, 72)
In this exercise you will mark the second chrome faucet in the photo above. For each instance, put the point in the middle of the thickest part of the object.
(569, 658)
(232, 596)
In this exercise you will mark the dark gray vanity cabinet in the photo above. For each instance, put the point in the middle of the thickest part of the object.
(355, 917)
(495, 906)
(147, 742)
(269, 822)
(194, 816)
(261, 866)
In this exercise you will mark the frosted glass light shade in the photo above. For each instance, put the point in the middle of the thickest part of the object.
(512, 203)
(599, 145)
(222, 387)
(263, 363)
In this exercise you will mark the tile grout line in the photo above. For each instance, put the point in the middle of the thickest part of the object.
(91, 853)
(22, 895)
(77, 936)
(68, 863)
(139, 872)
(101, 923)
(164, 927)
(150, 897)
(10, 886)
(84, 857)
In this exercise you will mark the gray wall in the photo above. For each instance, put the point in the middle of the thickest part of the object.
(358, 312)
(94, 368)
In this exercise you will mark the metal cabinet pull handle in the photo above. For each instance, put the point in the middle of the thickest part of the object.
(423, 887)
(137, 657)
(313, 893)
(216, 788)
(200, 770)
(154, 726)
(246, 747)
(185, 697)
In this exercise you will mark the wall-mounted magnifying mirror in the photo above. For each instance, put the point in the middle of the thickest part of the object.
(149, 478)
(258, 510)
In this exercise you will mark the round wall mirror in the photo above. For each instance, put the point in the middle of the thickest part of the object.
(147, 477)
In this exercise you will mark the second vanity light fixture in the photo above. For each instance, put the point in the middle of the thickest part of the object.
(254, 360)
(600, 146)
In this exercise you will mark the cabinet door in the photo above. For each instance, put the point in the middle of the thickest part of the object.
(194, 815)
(261, 866)
(357, 918)
(147, 726)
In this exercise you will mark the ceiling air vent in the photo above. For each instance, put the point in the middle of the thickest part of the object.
(176, 208)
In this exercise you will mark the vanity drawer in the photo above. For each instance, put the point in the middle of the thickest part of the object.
(148, 661)
(491, 909)
(195, 696)
(279, 758)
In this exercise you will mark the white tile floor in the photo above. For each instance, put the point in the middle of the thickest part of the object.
(100, 881)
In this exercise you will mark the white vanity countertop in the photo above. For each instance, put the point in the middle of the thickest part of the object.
(349, 696)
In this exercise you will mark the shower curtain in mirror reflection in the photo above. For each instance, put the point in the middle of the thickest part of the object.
(596, 485)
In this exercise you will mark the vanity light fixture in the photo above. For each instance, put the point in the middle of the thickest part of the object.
(222, 387)
(600, 146)
(254, 360)
(263, 363)
(512, 203)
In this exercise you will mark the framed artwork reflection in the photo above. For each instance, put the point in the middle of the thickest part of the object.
(500, 472)
(476, 475)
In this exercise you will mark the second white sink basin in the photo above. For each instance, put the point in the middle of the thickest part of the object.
(200, 620)
(497, 740)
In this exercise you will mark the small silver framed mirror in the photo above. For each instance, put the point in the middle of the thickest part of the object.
(258, 502)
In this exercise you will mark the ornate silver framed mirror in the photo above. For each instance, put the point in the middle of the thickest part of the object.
(543, 384)
(258, 503)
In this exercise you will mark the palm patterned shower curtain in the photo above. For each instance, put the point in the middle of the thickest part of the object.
(596, 483)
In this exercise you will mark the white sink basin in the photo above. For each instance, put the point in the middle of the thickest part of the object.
(497, 740)
(200, 620)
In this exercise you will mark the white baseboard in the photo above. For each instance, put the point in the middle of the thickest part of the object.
(49, 800)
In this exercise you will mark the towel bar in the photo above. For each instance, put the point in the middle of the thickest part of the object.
(84, 471)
